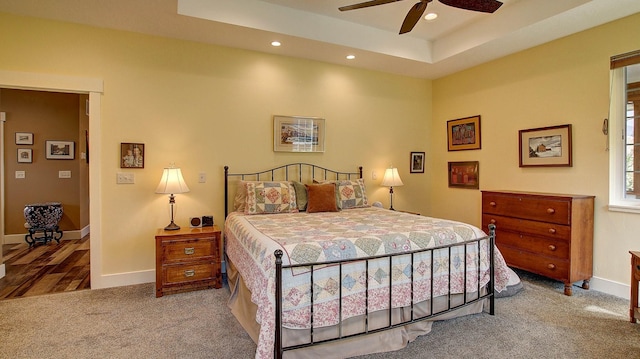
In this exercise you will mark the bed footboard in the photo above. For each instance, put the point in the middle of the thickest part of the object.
(485, 292)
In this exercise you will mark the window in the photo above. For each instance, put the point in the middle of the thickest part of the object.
(624, 132)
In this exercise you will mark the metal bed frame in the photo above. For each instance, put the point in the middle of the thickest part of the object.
(296, 171)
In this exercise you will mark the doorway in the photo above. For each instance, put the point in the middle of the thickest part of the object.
(68, 84)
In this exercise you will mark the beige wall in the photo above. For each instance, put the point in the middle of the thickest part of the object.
(563, 82)
(204, 107)
(48, 116)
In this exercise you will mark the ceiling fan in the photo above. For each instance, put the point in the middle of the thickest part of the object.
(418, 9)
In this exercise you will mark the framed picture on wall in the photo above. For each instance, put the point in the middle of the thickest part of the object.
(546, 147)
(24, 138)
(60, 150)
(132, 155)
(298, 134)
(464, 174)
(464, 134)
(25, 155)
(417, 162)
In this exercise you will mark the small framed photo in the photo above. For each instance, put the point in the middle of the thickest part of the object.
(464, 174)
(24, 138)
(132, 155)
(417, 162)
(60, 150)
(464, 134)
(25, 155)
(298, 134)
(546, 147)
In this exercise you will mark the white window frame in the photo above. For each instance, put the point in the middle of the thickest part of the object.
(618, 200)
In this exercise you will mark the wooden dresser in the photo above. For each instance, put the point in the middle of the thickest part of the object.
(543, 233)
(187, 259)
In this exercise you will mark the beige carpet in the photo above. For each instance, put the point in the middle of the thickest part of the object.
(129, 322)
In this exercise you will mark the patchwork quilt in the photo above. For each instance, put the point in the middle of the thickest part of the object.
(354, 233)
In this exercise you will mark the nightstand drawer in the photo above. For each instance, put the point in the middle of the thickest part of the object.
(188, 250)
(181, 273)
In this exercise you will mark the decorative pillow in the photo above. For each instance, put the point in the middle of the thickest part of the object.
(240, 201)
(350, 194)
(321, 198)
(270, 197)
(301, 195)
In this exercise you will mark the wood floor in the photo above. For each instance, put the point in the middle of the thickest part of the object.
(45, 269)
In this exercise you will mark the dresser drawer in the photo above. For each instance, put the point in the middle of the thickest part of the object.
(178, 251)
(547, 266)
(553, 210)
(183, 273)
(546, 229)
(532, 244)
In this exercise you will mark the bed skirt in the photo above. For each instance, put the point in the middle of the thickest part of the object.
(390, 340)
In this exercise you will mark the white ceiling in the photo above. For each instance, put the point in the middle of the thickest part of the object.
(316, 29)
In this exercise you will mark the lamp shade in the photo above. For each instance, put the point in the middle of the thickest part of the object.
(172, 182)
(391, 178)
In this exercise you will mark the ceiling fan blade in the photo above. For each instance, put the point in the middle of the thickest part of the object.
(366, 4)
(413, 16)
(489, 6)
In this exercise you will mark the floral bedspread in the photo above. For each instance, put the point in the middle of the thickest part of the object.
(354, 233)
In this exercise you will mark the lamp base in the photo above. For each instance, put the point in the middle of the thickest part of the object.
(172, 227)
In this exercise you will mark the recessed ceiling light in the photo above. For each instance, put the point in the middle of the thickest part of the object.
(431, 16)
(275, 43)
(351, 57)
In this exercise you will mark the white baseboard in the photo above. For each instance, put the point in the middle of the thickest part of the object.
(610, 287)
(122, 279)
(19, 238)
(3, 270)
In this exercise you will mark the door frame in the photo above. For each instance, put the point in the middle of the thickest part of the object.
(71, 84)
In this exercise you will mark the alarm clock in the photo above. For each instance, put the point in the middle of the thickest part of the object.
(204, 221)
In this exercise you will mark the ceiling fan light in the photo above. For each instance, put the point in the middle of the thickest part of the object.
(275, 43)
(351, 57)
(431, 16)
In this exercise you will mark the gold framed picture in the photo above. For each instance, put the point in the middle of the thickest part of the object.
(464, 134)
(464, 174)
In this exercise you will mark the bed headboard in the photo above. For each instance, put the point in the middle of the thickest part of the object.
(301, 172)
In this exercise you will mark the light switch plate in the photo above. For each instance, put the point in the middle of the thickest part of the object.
(20, 174)
(125, 177)
(64, 174)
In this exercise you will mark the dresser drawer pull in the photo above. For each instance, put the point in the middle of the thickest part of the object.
(493, 221)
(551, 266)
(552, 230)
(552, 247)
(189, 273)
(551, 210)
(492, 204)
(189, 250)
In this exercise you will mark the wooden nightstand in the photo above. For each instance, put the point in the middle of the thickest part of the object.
(187, 259)
(634, 311)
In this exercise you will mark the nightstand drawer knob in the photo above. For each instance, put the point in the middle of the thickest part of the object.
(493, 221)
(551, 210)
(552, 230)
(551, 266)
(552, 247)
(189, 273)
(492, 204)
(189, 250)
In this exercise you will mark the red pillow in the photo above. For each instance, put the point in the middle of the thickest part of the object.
(321, 198)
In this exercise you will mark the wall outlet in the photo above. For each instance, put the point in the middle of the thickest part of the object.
(202, 177)
(20, 174)
(64, 174)
(125, 177)
(374, 175)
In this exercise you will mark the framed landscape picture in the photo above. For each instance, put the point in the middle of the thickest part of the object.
(25, 155)
(298, 134)
(60, 150)
(546, 147)
(24, 138)
(464, 134)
